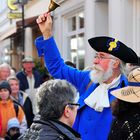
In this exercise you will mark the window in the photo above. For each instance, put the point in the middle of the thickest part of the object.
(3, 5)
(75, 36)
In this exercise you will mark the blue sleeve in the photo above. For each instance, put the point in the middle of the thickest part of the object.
(55, 64)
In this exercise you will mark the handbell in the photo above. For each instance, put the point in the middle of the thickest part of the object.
(52, 6)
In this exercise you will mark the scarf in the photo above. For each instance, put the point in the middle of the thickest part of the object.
(99, 99)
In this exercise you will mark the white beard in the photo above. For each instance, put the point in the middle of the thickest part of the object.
(98, 75)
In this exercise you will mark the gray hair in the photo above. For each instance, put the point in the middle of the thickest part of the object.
(5, 65)
(53, 96)
(121, 66)
(12, 78)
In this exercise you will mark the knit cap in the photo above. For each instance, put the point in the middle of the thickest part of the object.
(5, 85)
(13, 123)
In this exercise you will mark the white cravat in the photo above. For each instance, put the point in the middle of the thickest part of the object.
(98, 99)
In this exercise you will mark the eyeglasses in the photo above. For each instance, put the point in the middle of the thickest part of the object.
(76, 104)
(103, 57)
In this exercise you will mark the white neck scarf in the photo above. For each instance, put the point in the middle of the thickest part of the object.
(98, 99)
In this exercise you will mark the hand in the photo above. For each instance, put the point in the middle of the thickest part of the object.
(44, 22)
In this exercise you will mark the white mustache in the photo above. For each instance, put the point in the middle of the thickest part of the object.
(97, 67)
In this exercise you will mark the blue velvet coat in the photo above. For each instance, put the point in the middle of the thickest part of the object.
(92, 125)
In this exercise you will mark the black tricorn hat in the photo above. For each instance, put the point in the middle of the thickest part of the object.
(137, 64)
(113, 47)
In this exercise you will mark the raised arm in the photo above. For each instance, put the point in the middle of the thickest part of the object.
(44, 22)
(47, 47)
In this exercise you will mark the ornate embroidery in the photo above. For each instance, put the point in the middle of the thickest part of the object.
(113, 45)
(131, 131)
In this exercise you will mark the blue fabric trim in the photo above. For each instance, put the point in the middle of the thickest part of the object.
(137, 84)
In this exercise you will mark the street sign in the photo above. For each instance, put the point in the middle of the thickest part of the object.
(12, 5)
(14, 15)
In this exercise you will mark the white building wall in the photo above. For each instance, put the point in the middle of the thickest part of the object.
(136, 25)
(67, 8)
(36, 7)
(89, 30)
(101, 18)
(28, 42)
(115, 19)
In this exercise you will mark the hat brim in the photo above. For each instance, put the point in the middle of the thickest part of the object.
(129, 94)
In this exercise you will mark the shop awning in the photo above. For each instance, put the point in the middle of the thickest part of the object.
(29, 22)
(9, 32)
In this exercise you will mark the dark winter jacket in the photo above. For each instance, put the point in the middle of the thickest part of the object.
(50, 130)
(24, 82)
(127, 127)
(26, 106)
(8, 137)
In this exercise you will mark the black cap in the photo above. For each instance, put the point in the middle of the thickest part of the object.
(113, 47)
(5, 85)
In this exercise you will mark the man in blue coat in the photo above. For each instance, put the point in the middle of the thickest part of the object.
(94, 115)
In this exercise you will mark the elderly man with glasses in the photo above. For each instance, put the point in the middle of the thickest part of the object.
(57, 109)
(94, 116)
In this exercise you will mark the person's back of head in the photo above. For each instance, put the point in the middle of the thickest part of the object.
(53, 97)
(13, 71)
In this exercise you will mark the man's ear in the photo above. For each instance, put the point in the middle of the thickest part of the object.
(116, 63)
(66, 112)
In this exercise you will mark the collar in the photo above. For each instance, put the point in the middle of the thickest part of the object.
(62, 128)
(99, 99)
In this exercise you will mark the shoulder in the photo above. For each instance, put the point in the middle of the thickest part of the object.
(36, 72)
(124, 79)
(20, 73)
(40, 131)
(24, 94)
(18, 107)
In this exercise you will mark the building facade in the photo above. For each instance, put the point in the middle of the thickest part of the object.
(75, 21)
